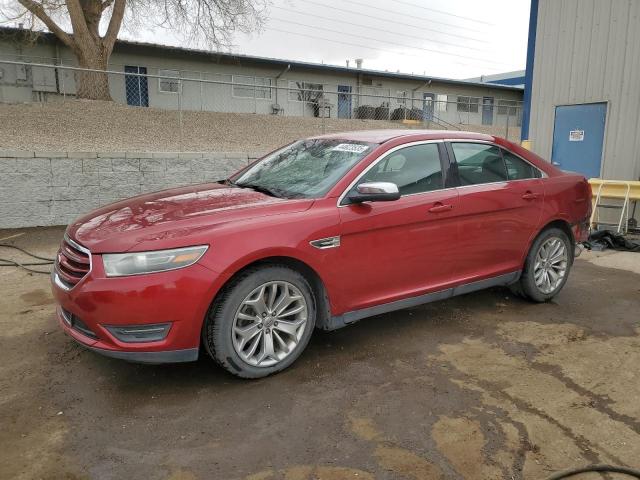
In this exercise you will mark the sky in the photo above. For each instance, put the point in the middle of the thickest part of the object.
(440, 38)
(444, 38)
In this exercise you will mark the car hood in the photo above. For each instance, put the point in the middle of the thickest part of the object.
(174, 218)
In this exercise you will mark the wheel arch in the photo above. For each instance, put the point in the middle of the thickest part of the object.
(321, 296)
(563, 225)
(560, 223)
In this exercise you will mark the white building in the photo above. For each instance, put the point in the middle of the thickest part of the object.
(222, 82)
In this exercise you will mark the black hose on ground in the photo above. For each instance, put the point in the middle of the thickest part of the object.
(595, 469)
(4, 262)
(25, 266)
(8, 245)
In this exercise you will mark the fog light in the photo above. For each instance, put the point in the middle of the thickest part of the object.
(140, 333)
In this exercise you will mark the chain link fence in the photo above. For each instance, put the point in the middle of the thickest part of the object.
(321, 107)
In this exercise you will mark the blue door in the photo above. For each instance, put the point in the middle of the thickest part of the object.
(344, 101)
(578, 136)
(427, 106)
(136, 86)
(487, 110)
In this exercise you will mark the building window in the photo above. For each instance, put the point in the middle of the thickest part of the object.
(305, 91)
(508, 107)
(401, 97)
(468, 104)
(170, 84)
(441, 103)
(251, 87)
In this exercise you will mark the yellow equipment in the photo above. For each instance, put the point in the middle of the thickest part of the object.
(622, 192)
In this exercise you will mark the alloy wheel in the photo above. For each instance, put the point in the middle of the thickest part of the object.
(269, 323)
(550, 265)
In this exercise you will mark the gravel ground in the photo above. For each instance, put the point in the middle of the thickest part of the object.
(90, 126)
(483, 386)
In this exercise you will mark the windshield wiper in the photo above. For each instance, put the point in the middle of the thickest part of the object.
(259, 188)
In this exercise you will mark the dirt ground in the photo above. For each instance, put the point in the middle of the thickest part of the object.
(90, 126)
(484, 386)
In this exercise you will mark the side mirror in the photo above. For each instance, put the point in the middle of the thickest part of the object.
(375, 192)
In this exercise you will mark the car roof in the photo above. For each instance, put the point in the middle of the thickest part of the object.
(384, 135)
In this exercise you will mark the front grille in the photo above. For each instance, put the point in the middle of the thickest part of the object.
(76, 324)
(72, 263)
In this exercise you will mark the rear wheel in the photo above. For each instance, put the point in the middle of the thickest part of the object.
(261, 323)
(547, 266)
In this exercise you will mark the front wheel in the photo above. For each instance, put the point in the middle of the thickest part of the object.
(261, 323)
(547, 266)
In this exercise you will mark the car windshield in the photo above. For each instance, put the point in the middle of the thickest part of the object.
(304, 169)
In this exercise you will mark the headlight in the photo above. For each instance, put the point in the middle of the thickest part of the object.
(135, 263)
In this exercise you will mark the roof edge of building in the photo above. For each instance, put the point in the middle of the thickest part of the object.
(22, 34)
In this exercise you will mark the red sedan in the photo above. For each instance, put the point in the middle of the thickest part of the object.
(319, 234)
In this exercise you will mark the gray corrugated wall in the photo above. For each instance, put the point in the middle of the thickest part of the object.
(589, 51)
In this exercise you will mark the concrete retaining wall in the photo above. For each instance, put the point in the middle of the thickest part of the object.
(54, 188)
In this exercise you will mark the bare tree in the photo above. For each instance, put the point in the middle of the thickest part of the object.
(95, 24)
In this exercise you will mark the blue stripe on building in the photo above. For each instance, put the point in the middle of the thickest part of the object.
(531, 52)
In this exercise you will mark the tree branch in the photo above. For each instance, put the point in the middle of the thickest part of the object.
(114, 26)
(78, 22)
(106, 4)
(38, 11)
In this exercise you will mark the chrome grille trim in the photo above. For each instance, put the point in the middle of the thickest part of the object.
(56, 276)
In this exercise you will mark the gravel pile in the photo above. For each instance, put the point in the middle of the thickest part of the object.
(89, 126)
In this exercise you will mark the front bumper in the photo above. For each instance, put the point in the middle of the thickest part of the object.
(159, 357)
(180, 297)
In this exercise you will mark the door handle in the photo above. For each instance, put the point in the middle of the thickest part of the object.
(530, 196)
(440, 208)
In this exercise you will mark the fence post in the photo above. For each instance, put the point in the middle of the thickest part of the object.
(201, 96)
(64, 90)
(507, 132)
(180, 115)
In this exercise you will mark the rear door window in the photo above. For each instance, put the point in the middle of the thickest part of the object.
(479, 163)
(517, 168)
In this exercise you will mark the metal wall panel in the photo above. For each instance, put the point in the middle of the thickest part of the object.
(589, 51)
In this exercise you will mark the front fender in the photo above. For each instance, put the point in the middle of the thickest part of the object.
(239, 246)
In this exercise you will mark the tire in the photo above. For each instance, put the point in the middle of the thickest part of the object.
(240, 320)
(532, 284)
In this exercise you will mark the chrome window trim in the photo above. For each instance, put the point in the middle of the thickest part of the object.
(382, 157)
(543, 174)
(495, 183)
(54, 274)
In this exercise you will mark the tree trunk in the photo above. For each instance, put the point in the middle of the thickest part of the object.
(92, 85)
(92, 50)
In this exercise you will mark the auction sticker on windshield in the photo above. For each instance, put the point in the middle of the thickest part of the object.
(350, 147)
